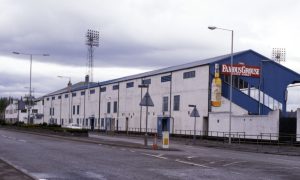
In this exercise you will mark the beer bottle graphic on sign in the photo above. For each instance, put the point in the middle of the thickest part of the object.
(216, 93)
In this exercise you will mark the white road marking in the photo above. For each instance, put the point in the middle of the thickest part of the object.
(234, 163)
(153, 155)
(132, 151)
(122, 149)
(190, 163)
(190, 157)
(99, 144)
(236, 173)
(21, 140)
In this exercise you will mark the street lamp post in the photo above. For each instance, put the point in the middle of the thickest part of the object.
(231, 64)
(29, 98)
(69, 90)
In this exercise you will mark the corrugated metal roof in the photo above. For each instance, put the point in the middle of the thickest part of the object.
(173, 68)
(82, 85)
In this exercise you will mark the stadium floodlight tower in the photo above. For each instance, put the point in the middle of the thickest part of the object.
(278, 54)
(92, 40)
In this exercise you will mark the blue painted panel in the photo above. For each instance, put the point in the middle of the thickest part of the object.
(274, 77)
(160, 125)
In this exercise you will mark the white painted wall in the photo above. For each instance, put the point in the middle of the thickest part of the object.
(250, 125)
(225, 103)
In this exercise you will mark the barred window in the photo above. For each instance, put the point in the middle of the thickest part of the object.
(115, 106)
(165, 104)
(129, 85)
(176, 103)
(190, 74)
(92, 91)
(146, 81)
(103, 89)
(82, 93)
(166, 78)
(115, 87)
(108, 107)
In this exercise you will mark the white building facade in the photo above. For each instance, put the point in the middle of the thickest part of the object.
(114, 105)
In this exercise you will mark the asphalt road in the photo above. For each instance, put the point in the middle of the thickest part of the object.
(54, 158)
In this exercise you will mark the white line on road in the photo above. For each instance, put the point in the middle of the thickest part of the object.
(190, 163)
(153, 155)
(21, 140)
(237, 162)
(190, 157)
(132, 151)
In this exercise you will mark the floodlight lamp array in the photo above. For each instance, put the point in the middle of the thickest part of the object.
(278, 54)
(92, 38)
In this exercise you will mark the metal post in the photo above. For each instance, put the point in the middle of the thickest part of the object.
(146, 132)
(29, 98)
(230, 106)
(194, 138)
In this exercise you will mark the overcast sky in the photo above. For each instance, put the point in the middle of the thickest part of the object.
(135, 36)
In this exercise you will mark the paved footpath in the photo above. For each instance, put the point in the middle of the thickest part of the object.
(180, 144)
(8, 172)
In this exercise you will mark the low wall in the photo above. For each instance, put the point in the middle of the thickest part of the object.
(250, 126)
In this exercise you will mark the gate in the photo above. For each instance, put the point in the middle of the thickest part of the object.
(287, 129)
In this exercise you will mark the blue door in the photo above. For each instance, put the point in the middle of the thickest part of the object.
(163, 124)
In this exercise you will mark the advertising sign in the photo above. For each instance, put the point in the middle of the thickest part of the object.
(241, 70)
(165, 142)
(216, 88)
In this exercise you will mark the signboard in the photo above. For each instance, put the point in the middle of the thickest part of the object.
(194, 113)
(241, 70)
(165, 142)
(146, 101)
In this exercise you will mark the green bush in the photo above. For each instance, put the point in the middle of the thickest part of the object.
(2, 122)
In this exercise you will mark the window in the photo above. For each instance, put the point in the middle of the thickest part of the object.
(73, 109)
(47, 99)
(129, 85)
(51, 111)
(166, 78)
(165, 103)
(82, 93)
(34, 111)
(62, 121)
(108, 107)
(190, 74)
(77, 120)
(66, 95)
(53, 98)
(176, 103)
(74, 94)
(103, 89)
(77, 109)
(92, 91)
(23, 110)
(87, 122)
(59, 97)
(115, 106)
(102, 122)
(115, 87)
(146, 81)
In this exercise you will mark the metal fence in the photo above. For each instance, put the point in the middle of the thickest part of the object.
(236, 137)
